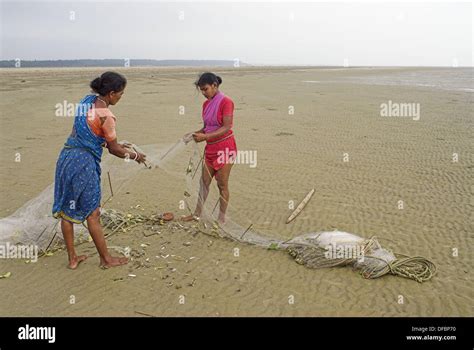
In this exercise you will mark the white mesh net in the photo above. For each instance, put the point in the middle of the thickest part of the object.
(33, 222)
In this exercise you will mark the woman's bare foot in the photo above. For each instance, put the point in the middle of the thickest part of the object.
(112, 261)
(221, 220)
(190, 218)
(75, 261)
(167, 216)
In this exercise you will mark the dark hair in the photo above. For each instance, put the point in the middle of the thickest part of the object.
(107, 82)
(208, 78)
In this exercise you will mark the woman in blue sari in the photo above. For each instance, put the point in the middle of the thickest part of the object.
(77, 190)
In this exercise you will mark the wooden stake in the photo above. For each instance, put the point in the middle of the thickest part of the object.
(110, 184)
(300, 207)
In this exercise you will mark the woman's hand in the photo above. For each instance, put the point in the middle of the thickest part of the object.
(199, 137)
(141, 158)
(188, 137)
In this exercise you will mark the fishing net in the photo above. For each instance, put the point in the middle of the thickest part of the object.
(33, 223)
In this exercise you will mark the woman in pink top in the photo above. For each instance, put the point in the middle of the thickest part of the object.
(221, 150)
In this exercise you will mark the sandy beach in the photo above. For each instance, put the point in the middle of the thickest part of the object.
(315, 128)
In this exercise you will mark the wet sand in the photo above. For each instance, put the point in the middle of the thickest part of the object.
(390, 159)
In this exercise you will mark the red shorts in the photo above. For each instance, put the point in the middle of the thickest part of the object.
(221, 153)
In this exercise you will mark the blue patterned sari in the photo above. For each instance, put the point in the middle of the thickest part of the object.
(77, 182)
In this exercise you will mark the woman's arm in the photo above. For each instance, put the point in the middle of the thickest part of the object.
(120, 151)
(226, 126)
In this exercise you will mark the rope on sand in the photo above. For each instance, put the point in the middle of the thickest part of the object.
(314, 255)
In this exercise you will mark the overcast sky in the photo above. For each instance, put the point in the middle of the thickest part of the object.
(431, 34)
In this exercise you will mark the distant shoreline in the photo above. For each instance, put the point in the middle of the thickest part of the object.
(249, 67)
(128, 62)
(147, 63)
